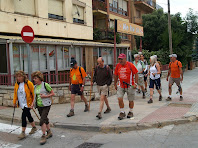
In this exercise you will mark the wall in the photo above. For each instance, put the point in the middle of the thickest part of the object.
(44, 26)
(62, 94)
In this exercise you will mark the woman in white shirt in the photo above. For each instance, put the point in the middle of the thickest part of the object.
(154, 72)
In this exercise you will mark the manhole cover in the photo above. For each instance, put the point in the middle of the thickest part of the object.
(180, 105)
(89, 145)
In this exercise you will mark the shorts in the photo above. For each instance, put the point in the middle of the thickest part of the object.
(155, 82)
(140, 80)
(103, 90)
(175, 80)
(130, 93)
(75, 89)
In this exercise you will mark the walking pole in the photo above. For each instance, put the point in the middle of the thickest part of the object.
(91, 88)
(35, 113)
(13, 116)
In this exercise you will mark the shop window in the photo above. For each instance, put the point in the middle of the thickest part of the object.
(25, 6)
(3, 59)
(52, 58)
(35, 57)
(43, 58)
(55, 9)
(78, 14)
(60, 57)
(107, 55)
(66, 57)
(16, 57)
(76, 52)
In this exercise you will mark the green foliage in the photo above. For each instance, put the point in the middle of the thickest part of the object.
(97, 34)
(156, 38)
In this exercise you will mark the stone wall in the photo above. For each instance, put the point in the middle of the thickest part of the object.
(62, 93)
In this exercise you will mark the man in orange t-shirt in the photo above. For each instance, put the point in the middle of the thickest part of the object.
(125, 71)
(175, 69)
(76, 85)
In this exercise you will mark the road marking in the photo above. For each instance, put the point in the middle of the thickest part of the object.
(4, 144)
(7, 128)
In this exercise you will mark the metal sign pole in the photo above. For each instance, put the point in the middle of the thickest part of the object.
(29, 62)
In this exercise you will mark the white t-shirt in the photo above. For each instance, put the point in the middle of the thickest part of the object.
(153, 69)
(22, 96)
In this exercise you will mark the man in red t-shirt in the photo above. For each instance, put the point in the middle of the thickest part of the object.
(125, 71)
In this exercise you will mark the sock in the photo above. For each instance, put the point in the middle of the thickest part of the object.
(122, 110)
(131, 109)
(180, 95)
(170, 96)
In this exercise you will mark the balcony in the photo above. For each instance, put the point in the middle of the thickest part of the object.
(138, 20)
(99, 6)
(117, 10)
(147, 5)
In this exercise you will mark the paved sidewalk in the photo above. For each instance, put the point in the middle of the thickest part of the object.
(145, 115)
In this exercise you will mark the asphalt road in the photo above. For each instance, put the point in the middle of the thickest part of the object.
(172, 136)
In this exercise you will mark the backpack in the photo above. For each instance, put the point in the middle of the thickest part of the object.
(141, 62)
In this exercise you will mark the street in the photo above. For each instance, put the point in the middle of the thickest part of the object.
(172, 136)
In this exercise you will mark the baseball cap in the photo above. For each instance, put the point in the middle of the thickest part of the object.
(122, 56)
(155, 56)
(173, 55)
(72, 62)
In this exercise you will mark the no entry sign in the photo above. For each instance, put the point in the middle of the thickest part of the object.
(27, 34)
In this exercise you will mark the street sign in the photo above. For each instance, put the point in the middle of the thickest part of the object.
(27, 34)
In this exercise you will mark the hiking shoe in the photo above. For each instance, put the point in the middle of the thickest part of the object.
(33, 130)
(160, 98)
(121, 115)
(107, 111)
(49, 134)
(43, 140)
(86, 108)
(169, 99)
(181, 98)
(130, 115)
(71, 113)
(139, 91)
(99, 116)
(150, 101)
(21, 136)
(145, 89)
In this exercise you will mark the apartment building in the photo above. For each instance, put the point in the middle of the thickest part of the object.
(62, 28)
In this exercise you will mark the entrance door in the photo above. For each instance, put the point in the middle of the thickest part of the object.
(3, 59)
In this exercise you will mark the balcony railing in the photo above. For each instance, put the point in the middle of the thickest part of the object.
(99, 5)
(117, 10)
(149, 2)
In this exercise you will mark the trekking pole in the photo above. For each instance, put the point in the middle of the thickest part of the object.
(91, 88)
(35, 113)
(13, 116)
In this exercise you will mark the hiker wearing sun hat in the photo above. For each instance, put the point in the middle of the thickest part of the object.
(176, 75)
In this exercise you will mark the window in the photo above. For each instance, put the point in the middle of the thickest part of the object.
(111, 25)
(43, 58)
(106, 54)
(24, 6)
(76, 52)
(66, 57)
(55, 9)
(60, 59)
(101, 23)
(78, 14)
(16, 57)
(3, 59)
(118, 6)
(52, 60)
(35, 57)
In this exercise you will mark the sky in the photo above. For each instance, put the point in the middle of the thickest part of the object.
(181, 6)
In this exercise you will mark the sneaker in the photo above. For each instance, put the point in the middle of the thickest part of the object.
(130, 115)
(49, 134)
(86, 108)
(107, 111)
(43, 140)
(150, 101)
(33, 130)
(121, 115)
(99, 116)
(169, 99)
(160, 98)
(181, 98)
(21, 136)
(71, 113)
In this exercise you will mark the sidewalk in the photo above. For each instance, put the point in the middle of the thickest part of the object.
(146, 115)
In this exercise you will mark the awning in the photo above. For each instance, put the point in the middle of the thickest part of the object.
(17, 39)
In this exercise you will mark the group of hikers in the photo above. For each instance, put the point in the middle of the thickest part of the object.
(128, 76)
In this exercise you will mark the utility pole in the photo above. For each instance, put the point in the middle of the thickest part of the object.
(169, 29)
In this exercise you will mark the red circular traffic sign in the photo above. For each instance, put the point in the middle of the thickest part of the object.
(27, 34)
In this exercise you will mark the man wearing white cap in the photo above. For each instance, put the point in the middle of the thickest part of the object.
(176, 75)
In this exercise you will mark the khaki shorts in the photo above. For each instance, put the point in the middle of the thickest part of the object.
(140, 79)
(103, 90)
(174, 80)
(130, 93)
